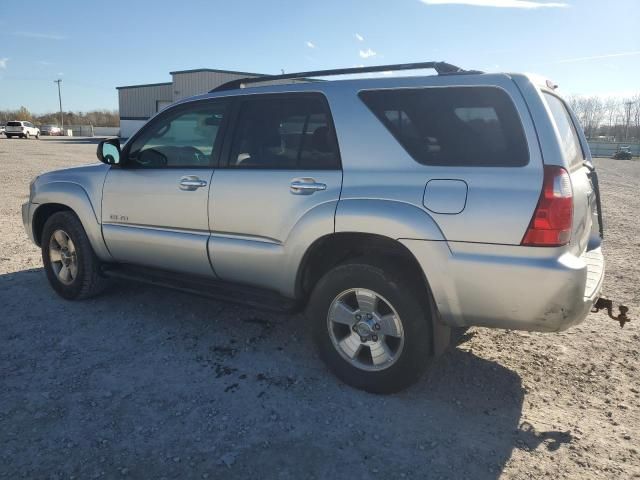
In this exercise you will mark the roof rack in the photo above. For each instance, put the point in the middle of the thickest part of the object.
(442, 68)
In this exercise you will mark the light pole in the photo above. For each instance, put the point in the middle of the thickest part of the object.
(59, 81)
(627, 116)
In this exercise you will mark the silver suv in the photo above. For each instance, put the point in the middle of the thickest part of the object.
(393, 210)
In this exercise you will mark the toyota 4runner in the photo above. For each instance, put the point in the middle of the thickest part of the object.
(392, 210)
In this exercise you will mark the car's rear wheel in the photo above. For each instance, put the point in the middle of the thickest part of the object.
(371, 323)
(26, 135)
(72, 268)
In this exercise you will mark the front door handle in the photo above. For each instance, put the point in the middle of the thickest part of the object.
(306, 186)
(191, 182)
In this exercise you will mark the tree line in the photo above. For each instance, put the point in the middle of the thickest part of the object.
(610, 118)
(97, 118)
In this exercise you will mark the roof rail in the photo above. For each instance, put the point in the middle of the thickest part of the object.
(442, 68)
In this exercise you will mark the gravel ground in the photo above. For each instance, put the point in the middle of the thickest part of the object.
(143, 382)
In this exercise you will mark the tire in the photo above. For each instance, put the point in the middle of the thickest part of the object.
(9, 136)
(86, 280)
(37, 136)
(400, 296)
(26, 136)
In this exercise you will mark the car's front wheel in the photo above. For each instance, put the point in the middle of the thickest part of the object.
(72, 268)
(371, 323)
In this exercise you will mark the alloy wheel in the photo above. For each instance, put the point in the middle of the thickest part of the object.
(63, 256)
(365, 329)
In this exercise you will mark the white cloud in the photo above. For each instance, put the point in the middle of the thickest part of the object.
(599, 57)
(359, 37)
(310, 44)
(44, 63)
(45, 36)
(367, 53)
(3, 62)
(526, 4)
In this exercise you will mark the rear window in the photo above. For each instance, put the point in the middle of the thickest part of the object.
(454, 126)
(14, 124)
(568, 135)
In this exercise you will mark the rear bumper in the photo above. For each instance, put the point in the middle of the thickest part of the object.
(520, 288)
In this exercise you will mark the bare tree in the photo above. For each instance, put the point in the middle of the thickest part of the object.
(635, 115)
(611, 108)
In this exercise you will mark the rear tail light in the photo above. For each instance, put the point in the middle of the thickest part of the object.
(553, 217)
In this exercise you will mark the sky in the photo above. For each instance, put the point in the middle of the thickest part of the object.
(586, 46)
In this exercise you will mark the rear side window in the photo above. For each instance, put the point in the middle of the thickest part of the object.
(14, 124)
(567, 130)
(453, 126)
(286, 132)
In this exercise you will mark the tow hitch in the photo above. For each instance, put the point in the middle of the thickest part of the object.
(605, 303)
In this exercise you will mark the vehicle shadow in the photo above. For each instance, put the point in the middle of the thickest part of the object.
(160, 383)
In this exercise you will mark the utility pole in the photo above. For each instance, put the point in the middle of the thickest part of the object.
(59, 81)
(627, 115)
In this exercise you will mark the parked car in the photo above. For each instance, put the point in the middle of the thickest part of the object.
(21, 129)
(392, 210)
(623, 153)
(50, 130)
(2, 127)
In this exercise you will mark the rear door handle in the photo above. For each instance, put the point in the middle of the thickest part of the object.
(306, 186)
(191, 182)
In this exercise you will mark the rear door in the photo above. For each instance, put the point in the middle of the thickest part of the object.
(154, 208)
(585, 217)
(14, 127)
(282, 164)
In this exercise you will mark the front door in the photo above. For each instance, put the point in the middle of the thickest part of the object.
(282, 167)
(154, 207)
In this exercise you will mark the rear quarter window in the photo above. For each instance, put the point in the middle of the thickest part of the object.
(453, 126)
(570, 142)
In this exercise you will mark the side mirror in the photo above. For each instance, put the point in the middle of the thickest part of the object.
(109, 151)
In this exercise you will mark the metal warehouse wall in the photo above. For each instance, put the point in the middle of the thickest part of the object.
(189, 83)
(140, 102)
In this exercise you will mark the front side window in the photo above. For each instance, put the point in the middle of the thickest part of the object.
(284, 133)
(453, 126)
(185, 138)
